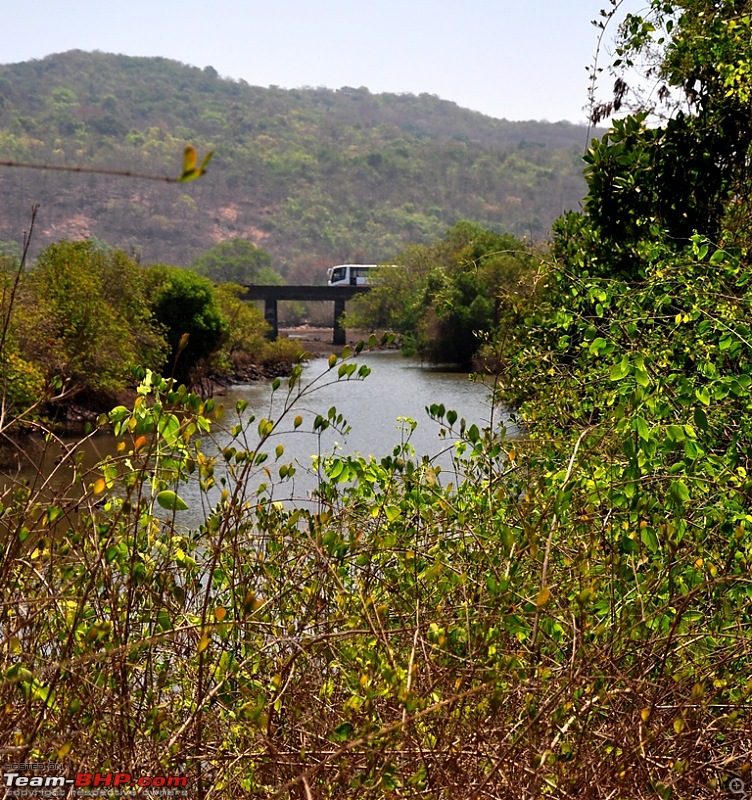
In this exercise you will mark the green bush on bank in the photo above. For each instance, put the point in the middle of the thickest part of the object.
(84, 316)
(444, 298)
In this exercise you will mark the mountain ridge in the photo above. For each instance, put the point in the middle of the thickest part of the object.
(313, 175)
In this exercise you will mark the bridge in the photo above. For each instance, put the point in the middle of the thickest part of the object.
(339, 295)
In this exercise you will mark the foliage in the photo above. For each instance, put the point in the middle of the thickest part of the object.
(350, 647)
(314, 176)
(237, 261)
(83, 317)
(24, 384)
(676, 178)
(245, 343)
(564, 614)
(246, 327)
(185, 305)
(445, 297)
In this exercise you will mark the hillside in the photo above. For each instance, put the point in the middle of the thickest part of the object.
(315, 176)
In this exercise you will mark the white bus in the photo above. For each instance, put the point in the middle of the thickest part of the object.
(350, 274)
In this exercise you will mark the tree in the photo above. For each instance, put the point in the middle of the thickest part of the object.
(237, 261)
(185, 305)
(677, 178)
(446, 296)
(83, 315)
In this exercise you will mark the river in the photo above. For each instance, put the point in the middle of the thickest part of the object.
(396, 387)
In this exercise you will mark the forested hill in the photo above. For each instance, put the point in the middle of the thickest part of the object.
(314, 176)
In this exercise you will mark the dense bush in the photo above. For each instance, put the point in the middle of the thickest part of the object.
(84, 317)
(538, 622)
(185, 306)
(445, 298)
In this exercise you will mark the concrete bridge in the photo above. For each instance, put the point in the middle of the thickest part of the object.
(339, 295)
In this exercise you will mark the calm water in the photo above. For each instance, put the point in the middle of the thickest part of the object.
(397, 387)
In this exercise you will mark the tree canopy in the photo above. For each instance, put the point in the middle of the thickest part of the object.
(237, 261)
(446, 297)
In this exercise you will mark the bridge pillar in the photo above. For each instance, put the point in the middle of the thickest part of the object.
(340, 337)
(337, 294)
(270, 315)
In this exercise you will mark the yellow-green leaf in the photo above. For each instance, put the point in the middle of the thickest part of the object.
(544, 595)
(620, 369)
(171, 501)
(63, 750)
(191, 169)
(190, 159)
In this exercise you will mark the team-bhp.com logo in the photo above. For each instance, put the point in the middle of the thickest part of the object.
(89, 784)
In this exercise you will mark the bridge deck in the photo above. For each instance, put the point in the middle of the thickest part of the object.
(303, 292)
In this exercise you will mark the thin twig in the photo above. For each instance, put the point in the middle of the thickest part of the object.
(120, 173)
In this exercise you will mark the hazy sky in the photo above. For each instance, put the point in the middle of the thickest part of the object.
(513, 59)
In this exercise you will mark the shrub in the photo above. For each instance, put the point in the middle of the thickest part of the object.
(186, 307)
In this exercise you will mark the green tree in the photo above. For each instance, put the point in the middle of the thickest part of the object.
(83, 315)
(676, 178)
(237, 261)
(445, 297)
(186, 306)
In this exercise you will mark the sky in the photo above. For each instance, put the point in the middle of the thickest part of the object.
(510, 59)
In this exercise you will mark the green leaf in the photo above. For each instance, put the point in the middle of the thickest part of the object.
(620, 370)
(342, 732)
(649, 539)
(679, 491)
(171, 501)
(701, 418)
(642, 378)
(643, 431)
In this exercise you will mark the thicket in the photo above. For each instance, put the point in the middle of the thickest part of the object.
(84, 315)
(560, 615)
(445, 299)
